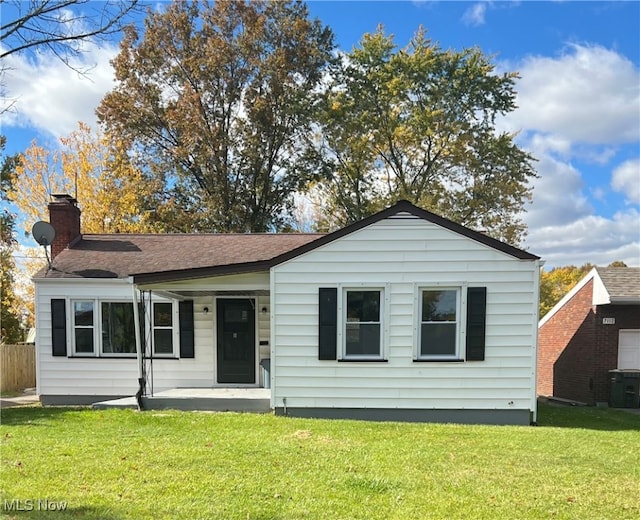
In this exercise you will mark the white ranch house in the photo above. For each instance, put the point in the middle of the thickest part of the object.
(402, 316)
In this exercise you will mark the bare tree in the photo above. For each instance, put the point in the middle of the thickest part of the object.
(59, 25)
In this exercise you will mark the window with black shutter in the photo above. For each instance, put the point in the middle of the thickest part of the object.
(58, 327)
(328, 323)
(187, 342)
(476, 322)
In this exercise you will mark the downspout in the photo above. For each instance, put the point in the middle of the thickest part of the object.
(272, 337)
(136, 319)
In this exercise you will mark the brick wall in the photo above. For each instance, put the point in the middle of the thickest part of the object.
(606, 344)
(566, 349)
(576, 351)
(64, 216)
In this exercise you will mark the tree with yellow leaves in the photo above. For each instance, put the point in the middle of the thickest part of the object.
(557, 282)
(113, 195)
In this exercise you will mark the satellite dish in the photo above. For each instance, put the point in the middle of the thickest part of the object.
(43, 233)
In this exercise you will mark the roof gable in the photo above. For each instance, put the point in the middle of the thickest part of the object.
(617, 285)
(611, 285)
(173, 257)
(405, 206)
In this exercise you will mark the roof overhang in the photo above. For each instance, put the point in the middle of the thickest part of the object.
(201, 272)
(624, 300)
(402, 206)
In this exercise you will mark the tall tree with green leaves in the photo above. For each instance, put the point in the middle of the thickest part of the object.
(9, 315)
(419, 123)
(216, 100)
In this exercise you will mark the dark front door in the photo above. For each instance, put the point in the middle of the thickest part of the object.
(236, 341)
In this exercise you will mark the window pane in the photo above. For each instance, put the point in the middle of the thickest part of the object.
(362, 339)
(118, 334)
(162, 341)
(84, 340)
(439, 305)
(83, 313)
(363, 306)
(162, 314)
(438, 339)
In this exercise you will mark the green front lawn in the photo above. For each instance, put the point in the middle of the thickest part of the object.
(118, 464)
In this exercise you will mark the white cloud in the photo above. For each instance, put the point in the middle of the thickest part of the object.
(558, 195)
(592, 239)
(588, 94)
(584, 105)
(474, 15)
(626, 179)
(563, 226)
(50, 96)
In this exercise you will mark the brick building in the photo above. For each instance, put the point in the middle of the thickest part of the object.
(593, 329)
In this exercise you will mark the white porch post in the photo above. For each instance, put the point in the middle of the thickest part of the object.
(136, 319)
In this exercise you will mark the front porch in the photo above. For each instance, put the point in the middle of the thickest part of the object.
(256, 400)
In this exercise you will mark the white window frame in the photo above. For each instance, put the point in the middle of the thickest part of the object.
(93, 327)
(100, 335)
(342, 325)
(635, 364)
(460, 334)
(98, 347)
(175, 325)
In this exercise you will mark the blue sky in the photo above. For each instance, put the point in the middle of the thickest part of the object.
(578, 97)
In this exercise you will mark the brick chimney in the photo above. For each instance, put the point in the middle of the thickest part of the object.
(64, 216)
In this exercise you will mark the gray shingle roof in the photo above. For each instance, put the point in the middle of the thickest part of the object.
(154, 258)
(621, 282)
(120, 255)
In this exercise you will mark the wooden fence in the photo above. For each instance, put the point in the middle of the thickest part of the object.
(17, 367)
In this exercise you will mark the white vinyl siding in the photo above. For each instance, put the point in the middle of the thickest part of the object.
(114, 375)
(401, 254)
(91, 375)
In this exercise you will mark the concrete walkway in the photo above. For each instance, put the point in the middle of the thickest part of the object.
(27, 398)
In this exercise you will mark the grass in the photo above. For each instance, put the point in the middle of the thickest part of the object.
(11, 393)
(120, 464)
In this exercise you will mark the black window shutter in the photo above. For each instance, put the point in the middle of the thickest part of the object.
(58, 327)
(476, 322)
(185, 309)
(328, 323)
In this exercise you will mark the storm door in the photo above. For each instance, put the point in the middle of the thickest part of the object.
(236, 338)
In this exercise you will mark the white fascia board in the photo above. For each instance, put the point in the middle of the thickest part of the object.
(82, 281)
(591, 274)
(600, 294)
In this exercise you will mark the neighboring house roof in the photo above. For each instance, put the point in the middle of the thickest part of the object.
(159, 258)
(120, 255)
(611, 285)
(618, 285)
